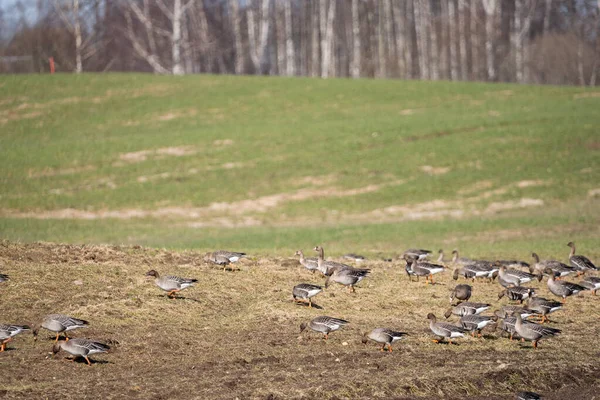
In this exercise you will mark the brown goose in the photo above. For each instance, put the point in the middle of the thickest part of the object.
(7, 332)
(475, 323)
(562, 288)
(421, 268)
(347, 277)
(419, 254)
(581, 263)
(533, 332)
(80, 348)
(324, 325)
(303, 292)
(461, 292)
(384, 336)
(309, 263)
(327, 267)
(444, 330)
(543, 307)
(540, 266)
(517, 293)
(591, 283)
(466, 308)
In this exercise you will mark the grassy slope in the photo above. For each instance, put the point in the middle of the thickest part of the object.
(65, 135)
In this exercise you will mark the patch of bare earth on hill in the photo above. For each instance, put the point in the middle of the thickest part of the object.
(143, 155)
(60, 171)
(224, 330)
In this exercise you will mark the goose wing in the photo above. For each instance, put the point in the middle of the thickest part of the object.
(89, 346)
(582, 263)
(68, 322)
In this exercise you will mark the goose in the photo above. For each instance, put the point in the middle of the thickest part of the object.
(324, 325)
(354, 257)
(513, 263)
(507, 324)
(532, 331)
(461, 292)
(559, 269)
(419, 254)
(460, 260)
(512, 310)
(591, 283)
(3, 278)
(475, 323)
(59, 323)
(466, 308)
(479, 269)
(467, 274)
(347, 277)
(444, 330)
(232, 256)
(304, 292)
(384, 336)
(440, 259)
(310, 263)
(80, 348)
(327, 267)
(516, 276)
(580, 263)
(413, 267)
(7, 332)
(170, 283)
(543, 307)
(562, 288)
(517, 293)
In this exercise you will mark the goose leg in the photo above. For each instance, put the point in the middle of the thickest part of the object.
(88, 360)
(66, 337)
(57, 336)
(431, 279)
(326, 336)
(450, 341)
(382, 348)
(390, 348)
(309, 303)
(535, 344)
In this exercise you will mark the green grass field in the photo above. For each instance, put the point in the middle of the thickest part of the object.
(272, 164)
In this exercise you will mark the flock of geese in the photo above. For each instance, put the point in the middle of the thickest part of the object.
(510, 274)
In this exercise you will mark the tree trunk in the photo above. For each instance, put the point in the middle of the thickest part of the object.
(474, 40)
(389, 37)
(77, 33)
(382, 71)
(399, 16)
(355, 66)
(445, 24)
(280, 38)
(237, 36)
(290, 59)
(176, 39)
(327, 18)
(490, 14)
(452, 38)
(462, 39)
(315, 60)
(547, 11)
(434, 53)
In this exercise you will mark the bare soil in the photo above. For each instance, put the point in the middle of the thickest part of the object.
(235, 334)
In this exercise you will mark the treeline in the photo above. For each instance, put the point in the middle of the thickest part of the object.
(525, 41)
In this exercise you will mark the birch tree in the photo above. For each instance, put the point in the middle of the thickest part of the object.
(258, 34)
(355, 64)
(474, 17)
(490, 7)
(290, 59)
(326, 21)
(399, 9)
(462, 39)
(234, 10)
(70, 14)
(452, 39)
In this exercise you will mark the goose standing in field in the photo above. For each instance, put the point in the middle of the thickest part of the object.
(457, 260)
(543, 307)
(466, 308)
(304, 292)
(562, 288)
(324, 325)
(516, 276)
(347, 277)
(7, 332)
(479, 269)
(384, 336)
(541, 266)
(465, 273)
(513, 263)
(419, 254)
(420, 268)
(475, 323)
(507, 323)
(80, 348)
(232, 256)
(444, 330)
(327, 267)
(461, 292)
(581, 263)
(591, 283)
(310, 263)
(170, 283)
(532, 331)
(59, 323)
(513, 309)
(517, 293)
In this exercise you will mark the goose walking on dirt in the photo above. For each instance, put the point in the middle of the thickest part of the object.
(420, 268)
(543, 307)
(303, 293)
(324, 325)
(327, 267)
(562, 289)
(309, 263)
(517, 293)
(591, 283)
(80, 348)
(444, 330)
(418, 254)
(59, 323)
(7, 332)
(467, 308)
(515, 276)
(171, 283)
(541, 266)
(384, 336)
(507, 323)
(461, 292)
(347, 277)
(475, 323)
(532, 331)
(581, 263)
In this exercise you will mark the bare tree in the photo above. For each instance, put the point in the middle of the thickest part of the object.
(381, 35)
(462, 39)
(258, 35)
(327, 18)
(70, 14)
(547, 11)
(474, 17)
(314, 32)
(355, 64)
(290, 59)
(399, 9)
(234, 6)
(452, 38)
(435, 65)
(490, 7)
